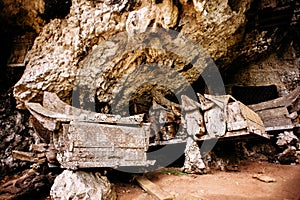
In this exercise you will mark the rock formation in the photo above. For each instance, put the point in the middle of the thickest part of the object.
(82, 185)
(55, 58)
(82, 38)
(13, 135)
(287, 143)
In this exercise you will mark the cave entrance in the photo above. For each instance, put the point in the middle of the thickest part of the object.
(141, 100)
(56, 9)
(254, 94)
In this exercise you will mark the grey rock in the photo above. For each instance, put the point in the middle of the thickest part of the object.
(286, 138)
(82, 185)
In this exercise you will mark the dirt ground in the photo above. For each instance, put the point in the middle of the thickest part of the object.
(221, 185)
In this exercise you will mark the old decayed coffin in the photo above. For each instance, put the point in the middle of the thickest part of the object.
(231, 118)
(275, 113)
(86, 139)
(85, 145)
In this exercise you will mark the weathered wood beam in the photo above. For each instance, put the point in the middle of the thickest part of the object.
(153, 189)
(279, 102)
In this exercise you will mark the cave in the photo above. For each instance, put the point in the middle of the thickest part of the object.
(254, 94)
(56, 9)
(134, 53)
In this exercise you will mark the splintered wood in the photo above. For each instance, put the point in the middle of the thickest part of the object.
(29, 156)
(153, 189)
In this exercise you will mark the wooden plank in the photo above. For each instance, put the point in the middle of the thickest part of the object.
(278, 124)
(24, 156)
(279, 102)
(279, 121)
(111, 163)
(264, 178)
(53, 104)
(153, 189)
(215, 121)
(103, 155)
(276, 128)
(275, 119)
(105, 135)
(273, 113)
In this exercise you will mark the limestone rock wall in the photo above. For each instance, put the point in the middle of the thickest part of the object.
(55, 58)
(273, 70)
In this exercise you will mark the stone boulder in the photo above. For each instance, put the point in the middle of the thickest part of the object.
(82, 185)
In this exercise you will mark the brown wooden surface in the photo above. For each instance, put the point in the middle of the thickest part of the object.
(275, 119)
(153, 189)
(279, 102)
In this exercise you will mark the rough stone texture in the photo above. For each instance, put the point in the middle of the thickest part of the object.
(193, 162)
(81, 185)
(288, 156)
(23, 14)
(13, 135)
(55, 57)
(287, 138)
(287, 142)
(214, 24)
(273, 70)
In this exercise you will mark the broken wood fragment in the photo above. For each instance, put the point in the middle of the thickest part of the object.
(264, 178)
(29, 156)
(24, 156)
(160, 99)
(153, 189)
(26, 184)
(284, 101)
(42, 147)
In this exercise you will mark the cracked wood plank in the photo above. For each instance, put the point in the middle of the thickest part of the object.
(153, 189)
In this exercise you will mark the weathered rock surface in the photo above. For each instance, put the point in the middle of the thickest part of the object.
(288, 156)
(22, 14)
(54, 60)
(13, 135)
(287, 141)
(287, 138)
(81, 185)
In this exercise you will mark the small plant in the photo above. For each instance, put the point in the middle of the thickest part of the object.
(173, 171)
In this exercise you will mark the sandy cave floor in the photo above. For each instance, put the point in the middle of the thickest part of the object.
(221, 185)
